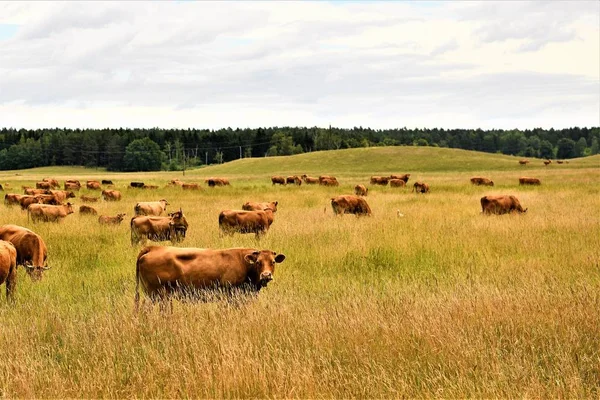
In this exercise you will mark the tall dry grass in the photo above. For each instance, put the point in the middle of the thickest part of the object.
(443, 302)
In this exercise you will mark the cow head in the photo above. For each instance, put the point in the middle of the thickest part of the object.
(164, 202)
(69, 208)
(178, 226)
(70, 195)
(120, 217)
(273, 205)
(263, 265)
(35, 272)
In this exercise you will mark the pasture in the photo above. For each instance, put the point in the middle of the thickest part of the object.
(443, 302)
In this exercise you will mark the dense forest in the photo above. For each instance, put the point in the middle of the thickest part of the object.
(174, 149)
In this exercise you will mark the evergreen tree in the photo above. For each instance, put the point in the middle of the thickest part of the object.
(143, 155)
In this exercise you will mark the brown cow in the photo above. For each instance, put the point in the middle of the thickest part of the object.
(111, 195)
(106, 220)
(253, 206)
(31, 249)
(155, 208)
(40, 198)
(175, 182)
(43, 185)
(401, 177)
(87, 210)
(420, 187)
(523, 162)
(107, 182)
(294, 180)
(190, 186)
(529, 181)
(62, 195)
(72, 186)
(477, 180)
(212, 182)
(136, 184)
(93, 185)
(33, 192)
(361, 190)
(278, 180)
(173, 228)
(547, 162)
(8, 268)
(322, 177)
(12, 199)
(150, 187)
(257, 222)
(500, 205)
(309, 180)
(166, 271)
(349, 204)
(379, 180)
(53, 182)
(48, 213)
(89, 199)
(560, 161)
(328, 182)
(397, 183)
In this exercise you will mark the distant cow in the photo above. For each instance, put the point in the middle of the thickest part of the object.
(72, 186)
(107, 182)
(166, 271)
(547, 162)
(500, 205)
(379, 180)
(33, 192)
(175, 182)
(529, 181)
(523, 162)
(559, 161)
(173, 228)
(294, 180)
(62, 195)
(420, 187)
(31, 249)
(111, 195)
(89, 199)
(349, 204)
(87, 210)
(361, 190)
(8, 268)
(106, 220)
(309, 180)
(93, 185)
(43, 185)
(155, 208)
(190, 186)
(48, 213)
(479, 181)
(257, 222)
(12, 199)
(53, 182)
(26, 201)
(328, 182)
(397, 183)
(278, 180)
(150, 187)
(212, 182)
(401, 177)
(136, 184)
(253, 206)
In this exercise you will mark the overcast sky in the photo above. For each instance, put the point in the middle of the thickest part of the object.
(251, 64)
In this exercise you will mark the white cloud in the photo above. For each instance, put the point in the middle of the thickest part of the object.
(219, 64)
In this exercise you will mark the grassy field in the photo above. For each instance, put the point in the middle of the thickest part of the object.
(443, 302)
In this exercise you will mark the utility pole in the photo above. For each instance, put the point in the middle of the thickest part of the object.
(184, 163)
(206, 161)
(240, 152)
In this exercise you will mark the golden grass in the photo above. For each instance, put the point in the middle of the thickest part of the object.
(443, 302)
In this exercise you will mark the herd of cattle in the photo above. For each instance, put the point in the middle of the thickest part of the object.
(163, 271)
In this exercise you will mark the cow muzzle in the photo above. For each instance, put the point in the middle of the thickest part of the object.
(265, 278)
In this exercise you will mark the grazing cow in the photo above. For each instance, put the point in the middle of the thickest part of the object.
(48, 213)
(190, 186)
(523, 162)
(479, 181)
(401, 177)
(26, 200)
(33, 192)
(328, 182)
(529, 181)
(106, 220)
(500, 205)
(43, 185)
(8, 268)
(175, 182)
(111, 195)
(12, 199)
(166, 271)
(278, 180)
(397, 183)
(155, 208)
(136, 184)
(31, 249)
(72, 186)
(150, 187)
(107, 182)
(294, 180)
(89, 199)
(93, 185)
(40, 198)
(361, 190)
(559, 161)
(309, 180)
(322, 177)
(173, 228)
(420, 187)
(87, 210)
(257, 222)
(253, 206)
(53, 182)
(547, 162)
(212, 182)
(62, 195)
(349, 204)
(379, 180)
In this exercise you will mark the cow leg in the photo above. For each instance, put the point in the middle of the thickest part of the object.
(11, 284)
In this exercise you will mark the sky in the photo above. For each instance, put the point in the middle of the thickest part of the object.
(200, 64)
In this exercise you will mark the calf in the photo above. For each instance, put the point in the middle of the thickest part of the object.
(106, 220)
(87, 210)
(361, 190)
(48, 213)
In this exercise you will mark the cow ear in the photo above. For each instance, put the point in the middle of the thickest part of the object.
(279, 258)
(276, 203)
(251, 258)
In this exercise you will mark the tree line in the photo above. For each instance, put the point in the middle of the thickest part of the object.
(175, 149)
